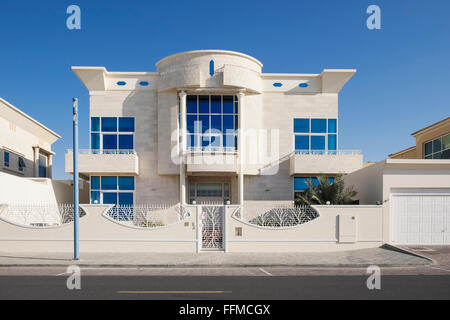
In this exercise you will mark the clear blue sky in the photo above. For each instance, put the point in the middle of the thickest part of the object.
(402, 83)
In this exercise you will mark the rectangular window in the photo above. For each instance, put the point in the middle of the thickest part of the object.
(6, 158)
(126, 124)
(301, 183)
(21, 164)
(111, 133)
(301, 125)
(315, 134)
(438, 148)
(211, 119)
(112, 190)
(42, 166)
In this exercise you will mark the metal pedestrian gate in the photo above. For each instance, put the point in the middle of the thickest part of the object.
(212, 227)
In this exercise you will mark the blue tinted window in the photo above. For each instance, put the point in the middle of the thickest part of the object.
(95, 183)
(277, 84)
(301, 142)
(109, 183)
(191, 140)
(109, 198)
(211, 68)
(42, 166)
(216, 141)
(216, 122)
(109, 141)
(301, 125)
(332, 143)
(95, 124)
(125, 198)
(126, 124)
(205, 141)
(216, 104)
(318, 125)
(331, 179)
(190, 123)
(228, 123)
(95, 197)
(126, 183)
(126, 142)
(236, 105)
(191, 104)
(109, 124)
(204, 119)
(203, 104)
(332, 125)
(121, 83)
(317, 142)
(228, 104)
(6, 158)
(300, 183)
(143, 83)
(95, 140)
(303, 85)
(229, 141)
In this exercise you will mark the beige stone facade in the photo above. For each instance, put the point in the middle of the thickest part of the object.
(25, 144)
(267, 105)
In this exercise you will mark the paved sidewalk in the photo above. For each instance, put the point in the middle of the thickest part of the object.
(357, 258)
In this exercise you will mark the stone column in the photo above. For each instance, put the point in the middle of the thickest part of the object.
(182, 96)
(49, 166)
(36, 161)
(241, 151)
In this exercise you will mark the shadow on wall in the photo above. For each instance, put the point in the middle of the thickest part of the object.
(270, 187)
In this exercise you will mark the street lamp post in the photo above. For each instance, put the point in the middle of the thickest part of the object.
(76, 248)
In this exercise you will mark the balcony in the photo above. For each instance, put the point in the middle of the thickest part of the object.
(104, 162)
(325, 162)
(204, 160)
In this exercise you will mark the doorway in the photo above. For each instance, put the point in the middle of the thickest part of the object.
(209, 192)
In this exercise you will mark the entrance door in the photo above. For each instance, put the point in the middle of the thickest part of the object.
(209, 192)
(212, 227)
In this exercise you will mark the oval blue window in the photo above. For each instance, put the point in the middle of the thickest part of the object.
(143, 83)
(121, 83)
(277, 84)
(303, 85)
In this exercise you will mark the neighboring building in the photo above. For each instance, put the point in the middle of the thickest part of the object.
(25, 144)
(432, 142)
(137, 122)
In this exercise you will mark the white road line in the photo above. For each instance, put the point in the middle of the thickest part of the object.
(440, 269)
(266, 272)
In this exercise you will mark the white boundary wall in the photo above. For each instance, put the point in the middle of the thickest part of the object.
(337, 228)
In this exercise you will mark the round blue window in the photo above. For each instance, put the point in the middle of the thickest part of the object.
(303, 85)
(121, 83)
(143, 83)
(277, 84)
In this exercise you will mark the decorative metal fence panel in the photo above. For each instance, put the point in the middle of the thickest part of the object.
(38, 215)
(212, 227)
(276, 216)
(147, 216)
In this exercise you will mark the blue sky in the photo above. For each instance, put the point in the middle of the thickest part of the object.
(402, 83)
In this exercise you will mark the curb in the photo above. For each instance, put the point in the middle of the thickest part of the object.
(388, 246)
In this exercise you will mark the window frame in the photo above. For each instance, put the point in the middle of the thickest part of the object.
(309, 134)
(210, 132)
(117, 133)
(433, 153)
(117, 190)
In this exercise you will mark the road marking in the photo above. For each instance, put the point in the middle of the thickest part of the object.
(173, 291)
(266, 272)
(440, 269)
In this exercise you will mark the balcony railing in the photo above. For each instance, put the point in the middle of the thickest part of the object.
(328, 152)
(212, 149)
(104, 151)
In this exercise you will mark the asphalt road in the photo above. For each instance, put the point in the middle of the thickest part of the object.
(226, 287)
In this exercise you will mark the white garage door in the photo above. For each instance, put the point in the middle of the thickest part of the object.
(421, 218)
